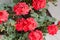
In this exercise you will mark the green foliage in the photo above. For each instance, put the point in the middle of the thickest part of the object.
(6, 6)
(24, 36)
(11, 22)
(1, 6)
(43, 20)
(15, 1)
(27, 1)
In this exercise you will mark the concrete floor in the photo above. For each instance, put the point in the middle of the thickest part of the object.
(55, 10)
(55, 37)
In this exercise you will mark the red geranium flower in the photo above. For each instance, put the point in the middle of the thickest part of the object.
(58, 22)
(21, 8)
(35, 35)
(28, 24)
(52, 29)
(38, 4)
(20, 24)
(3, 16)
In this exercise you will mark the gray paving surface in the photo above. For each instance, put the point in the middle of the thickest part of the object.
(55, 37)
(55, 10)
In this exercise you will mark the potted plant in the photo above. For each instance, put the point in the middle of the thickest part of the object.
(26, 20)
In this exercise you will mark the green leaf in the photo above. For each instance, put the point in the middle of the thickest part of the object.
(25, 35)
(1, 26)
(11, 22)
(16, 1)
(41, 19)
(43, 14)
(10, 37)
(34, 15)
(51, 19)
(11, 4)
(1, 7)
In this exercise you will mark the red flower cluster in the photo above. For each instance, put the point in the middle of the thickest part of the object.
(21, 8)
(58, 22)
(28, 24)
(36, 35)
(52, 29)
(38, 4)
(3, 16)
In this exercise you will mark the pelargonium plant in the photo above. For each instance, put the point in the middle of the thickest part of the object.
(26, 20)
